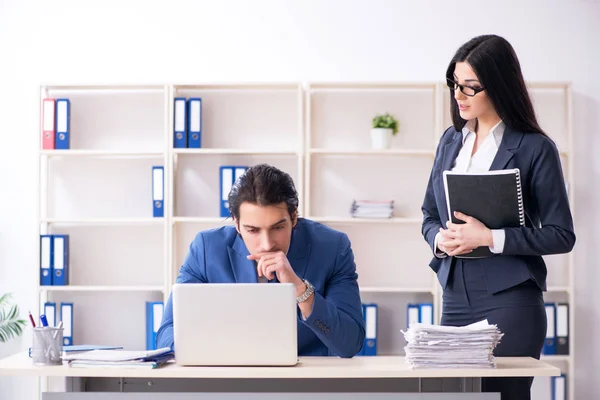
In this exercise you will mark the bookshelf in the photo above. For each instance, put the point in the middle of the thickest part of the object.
(99, 191)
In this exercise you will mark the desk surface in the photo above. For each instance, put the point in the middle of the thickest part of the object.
(308, 367)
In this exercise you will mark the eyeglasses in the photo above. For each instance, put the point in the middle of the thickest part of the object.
(467, 90)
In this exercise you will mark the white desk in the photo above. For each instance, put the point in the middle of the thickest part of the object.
(372, 374)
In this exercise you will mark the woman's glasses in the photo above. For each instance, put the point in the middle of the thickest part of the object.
(467, 90)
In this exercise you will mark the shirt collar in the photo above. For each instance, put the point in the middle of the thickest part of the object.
(497, 130)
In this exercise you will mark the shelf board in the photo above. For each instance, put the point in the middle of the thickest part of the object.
(237, 151)
(392, 289)
(370, 152)
(239, 87)
(104, 288)
(565, 289)
(101, 153)
(350, 220)
(104, 221)
(556, 357)
(106, 88)
(370, 86)
(203, 220)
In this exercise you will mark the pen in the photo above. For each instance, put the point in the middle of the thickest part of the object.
(58, 327)
(44, 320)
(31, 319)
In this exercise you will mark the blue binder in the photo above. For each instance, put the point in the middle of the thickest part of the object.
(63, 124)
(194, 122)
(412, 314)
(50, 313)
(46, 256)
(66, 316)
(179, 124)
(426, 313)
(558, 386)
(228, 174)
(154, 314)
(158, 192)
(370, 345)
(550, 342)
(60, 265)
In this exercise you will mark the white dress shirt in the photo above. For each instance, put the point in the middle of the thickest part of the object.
(481, 161)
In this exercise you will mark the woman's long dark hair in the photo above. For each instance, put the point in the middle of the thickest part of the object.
(498, 69)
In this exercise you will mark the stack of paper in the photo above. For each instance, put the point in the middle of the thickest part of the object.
(435, 346)
(120, 358)
(372, 209)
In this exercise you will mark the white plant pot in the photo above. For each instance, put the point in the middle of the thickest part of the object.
(381, 138)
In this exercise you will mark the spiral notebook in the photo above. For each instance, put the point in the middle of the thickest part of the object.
(494, 197)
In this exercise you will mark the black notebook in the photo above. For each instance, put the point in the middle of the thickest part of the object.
(494, 197)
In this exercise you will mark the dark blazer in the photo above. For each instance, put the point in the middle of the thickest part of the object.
(317, 253)
(545, 201)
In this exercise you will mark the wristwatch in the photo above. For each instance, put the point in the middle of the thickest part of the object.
(310, 289)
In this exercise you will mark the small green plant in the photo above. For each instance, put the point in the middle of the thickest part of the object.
(386, 121)
(11, 326)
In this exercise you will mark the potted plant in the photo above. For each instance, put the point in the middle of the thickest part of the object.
(384, 127)
(11, 326)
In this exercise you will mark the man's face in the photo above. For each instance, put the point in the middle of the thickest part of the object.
(265, 228)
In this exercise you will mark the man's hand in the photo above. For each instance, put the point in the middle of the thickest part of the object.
(271, 264)
(276, 263)
(463, 238)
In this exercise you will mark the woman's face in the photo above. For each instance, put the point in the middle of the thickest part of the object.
(471, 107)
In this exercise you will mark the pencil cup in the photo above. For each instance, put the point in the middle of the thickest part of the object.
(47, 346)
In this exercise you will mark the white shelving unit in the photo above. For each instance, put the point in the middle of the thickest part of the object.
(99, 191)
(342, 167)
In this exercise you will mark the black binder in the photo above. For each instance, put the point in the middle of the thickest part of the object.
(494, 197)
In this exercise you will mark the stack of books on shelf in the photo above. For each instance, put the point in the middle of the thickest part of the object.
(435, 346)
(120, 358)
(372, 209)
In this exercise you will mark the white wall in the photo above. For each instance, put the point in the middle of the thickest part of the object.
(116, 41)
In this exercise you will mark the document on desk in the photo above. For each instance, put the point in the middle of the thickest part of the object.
(117, 355)
(437, 346)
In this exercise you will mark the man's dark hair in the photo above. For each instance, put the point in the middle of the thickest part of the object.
(264, 185)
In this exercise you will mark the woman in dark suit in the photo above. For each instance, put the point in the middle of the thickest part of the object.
(494, 127)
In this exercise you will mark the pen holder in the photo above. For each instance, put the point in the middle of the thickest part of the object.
(47, 346)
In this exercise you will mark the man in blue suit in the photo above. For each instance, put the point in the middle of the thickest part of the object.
(270, 244)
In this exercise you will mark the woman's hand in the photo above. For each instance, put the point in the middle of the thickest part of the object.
(463, 238)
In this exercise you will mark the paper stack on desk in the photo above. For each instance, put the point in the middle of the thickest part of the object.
(120, 358)
(435, 346)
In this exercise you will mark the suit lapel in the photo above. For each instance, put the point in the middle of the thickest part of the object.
(244, 270)
(511, 140)
(299, 251)
(451, 150)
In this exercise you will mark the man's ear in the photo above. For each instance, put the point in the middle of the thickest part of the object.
(237, 225)
(294, 218)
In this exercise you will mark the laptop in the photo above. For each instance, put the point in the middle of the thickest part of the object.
(235, 324)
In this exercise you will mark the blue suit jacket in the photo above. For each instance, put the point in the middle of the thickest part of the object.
(317, 253)
(545, 201)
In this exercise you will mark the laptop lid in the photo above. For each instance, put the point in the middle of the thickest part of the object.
(227, 324)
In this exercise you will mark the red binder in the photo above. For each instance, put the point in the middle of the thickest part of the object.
(48, 124)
